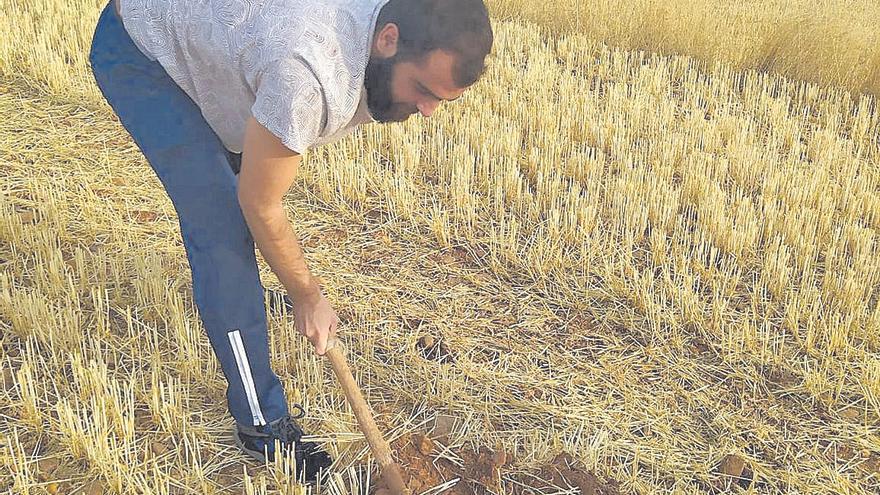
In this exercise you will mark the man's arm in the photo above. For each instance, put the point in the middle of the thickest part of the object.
(268, 168)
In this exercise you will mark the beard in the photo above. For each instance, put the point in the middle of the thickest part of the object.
(380, 102)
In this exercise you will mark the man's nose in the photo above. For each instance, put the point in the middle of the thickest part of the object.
(428, 107)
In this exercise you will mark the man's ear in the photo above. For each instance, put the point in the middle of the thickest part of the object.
(385, 43)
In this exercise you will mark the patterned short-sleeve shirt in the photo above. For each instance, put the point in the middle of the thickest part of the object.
(297, 66)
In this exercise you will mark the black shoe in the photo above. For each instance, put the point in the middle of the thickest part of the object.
(259, 443)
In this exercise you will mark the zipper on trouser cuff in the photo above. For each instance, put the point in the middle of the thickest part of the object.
(244, 370)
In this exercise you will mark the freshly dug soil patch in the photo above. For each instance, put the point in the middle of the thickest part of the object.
(564, 472)
(417, 455)
(480, 473)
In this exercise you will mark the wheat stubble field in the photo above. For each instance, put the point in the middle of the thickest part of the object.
(603, 270)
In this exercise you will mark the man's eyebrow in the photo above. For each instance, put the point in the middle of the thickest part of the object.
(425, 88)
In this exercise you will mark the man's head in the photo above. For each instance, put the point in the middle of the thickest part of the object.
(424, 52)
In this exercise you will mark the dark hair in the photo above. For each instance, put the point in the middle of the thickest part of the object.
(459, 26)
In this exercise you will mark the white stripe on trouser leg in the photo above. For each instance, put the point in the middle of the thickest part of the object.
(244, 369)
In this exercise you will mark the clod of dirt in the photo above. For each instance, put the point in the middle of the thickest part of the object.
(487, 468)
(732, 465)
(562, 472)
(845, 453)
(93, 488)
(434, 348)
(423, 443)
(850, 413)
(45, 468)
(871, 465)
(382, 491)
(442, 428)
(145, 215)
(158, 448)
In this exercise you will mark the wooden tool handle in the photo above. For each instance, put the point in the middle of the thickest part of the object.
(381, 451)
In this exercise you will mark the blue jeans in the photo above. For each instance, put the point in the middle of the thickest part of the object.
(199, 175)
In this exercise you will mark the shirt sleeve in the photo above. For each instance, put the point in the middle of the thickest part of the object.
(290, 103)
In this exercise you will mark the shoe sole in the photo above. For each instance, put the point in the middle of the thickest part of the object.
(255, 455)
